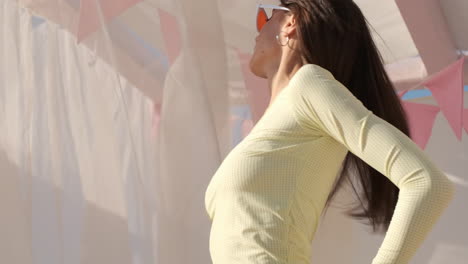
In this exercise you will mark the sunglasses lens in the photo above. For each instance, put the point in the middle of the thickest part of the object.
(262, 18)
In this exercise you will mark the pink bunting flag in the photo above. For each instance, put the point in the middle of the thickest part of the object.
(89, 20)
(171, 32)
(257, 88)
(421, 119)
(465, 119)
(447, 89)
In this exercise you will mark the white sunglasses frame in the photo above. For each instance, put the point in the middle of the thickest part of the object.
(267, 6)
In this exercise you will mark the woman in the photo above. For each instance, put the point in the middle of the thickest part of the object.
(333, 114)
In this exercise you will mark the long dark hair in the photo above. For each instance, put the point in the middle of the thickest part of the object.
(335, 35)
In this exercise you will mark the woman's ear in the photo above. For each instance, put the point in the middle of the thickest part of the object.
(290, 24)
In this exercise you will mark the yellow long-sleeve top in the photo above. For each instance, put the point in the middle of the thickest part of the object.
(266, 198)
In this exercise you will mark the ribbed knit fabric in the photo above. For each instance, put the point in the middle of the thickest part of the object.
(266, 198)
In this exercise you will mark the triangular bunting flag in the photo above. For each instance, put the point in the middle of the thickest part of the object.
(89, 20)
(421, 119)
(257, 88)
(447, 89)
(171, 32)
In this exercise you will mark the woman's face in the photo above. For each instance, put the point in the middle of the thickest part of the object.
(267, 51)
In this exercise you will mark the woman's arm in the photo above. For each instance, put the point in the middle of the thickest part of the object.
(322, 103)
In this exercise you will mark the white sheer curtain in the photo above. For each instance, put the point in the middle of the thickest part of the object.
(77, 154)
(81, 179)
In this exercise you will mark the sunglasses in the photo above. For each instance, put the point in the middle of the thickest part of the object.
(264, 13)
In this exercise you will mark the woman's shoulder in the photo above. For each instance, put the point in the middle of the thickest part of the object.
(313, 82)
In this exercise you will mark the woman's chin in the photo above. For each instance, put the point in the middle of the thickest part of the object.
(255, 67)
